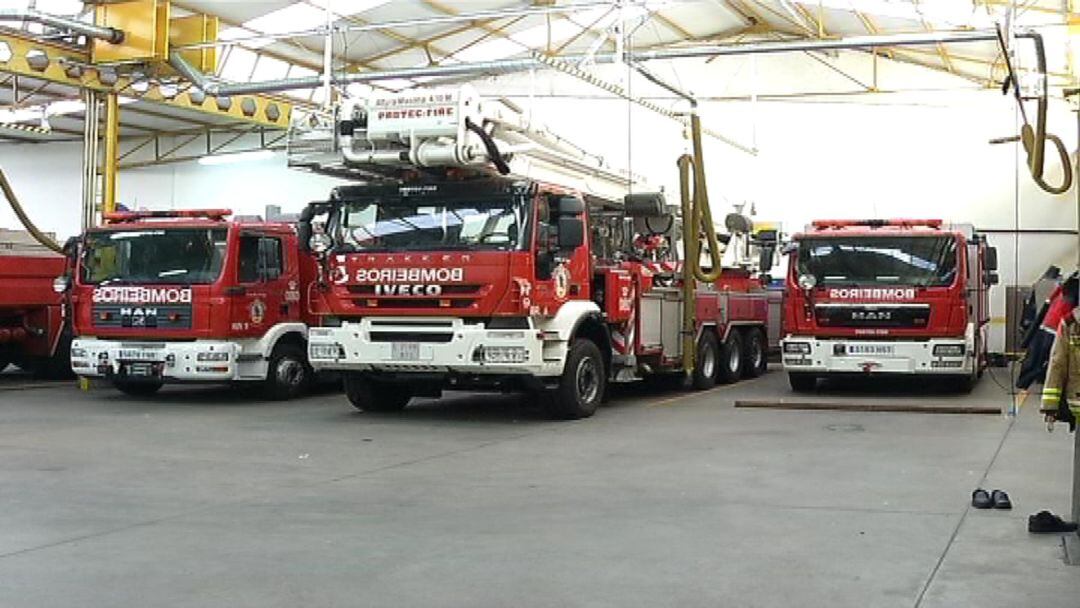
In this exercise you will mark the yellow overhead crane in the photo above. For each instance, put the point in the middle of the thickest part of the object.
(131, 60)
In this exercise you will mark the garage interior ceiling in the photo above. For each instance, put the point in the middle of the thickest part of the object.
(280, 39)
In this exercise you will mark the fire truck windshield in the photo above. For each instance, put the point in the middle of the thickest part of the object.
(154, 256)
(432, 224)
(920, 261)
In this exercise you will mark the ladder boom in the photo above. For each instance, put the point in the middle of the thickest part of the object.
(431, 131)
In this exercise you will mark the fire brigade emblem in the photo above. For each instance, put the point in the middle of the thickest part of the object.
(562, 281)
(257, 311)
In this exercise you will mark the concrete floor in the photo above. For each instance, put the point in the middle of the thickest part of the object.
(208, 497)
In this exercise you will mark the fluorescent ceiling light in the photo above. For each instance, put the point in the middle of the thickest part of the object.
(236, 157)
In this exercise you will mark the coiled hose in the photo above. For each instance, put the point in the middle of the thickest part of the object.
(24, 219)
(1034, 138)
(697, 219)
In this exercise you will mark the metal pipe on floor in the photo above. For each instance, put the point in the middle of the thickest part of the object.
(109, 34)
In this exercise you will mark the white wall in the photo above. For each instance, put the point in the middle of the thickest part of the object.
(918, 153)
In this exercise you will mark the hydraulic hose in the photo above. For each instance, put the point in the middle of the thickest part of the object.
(697, 219)
(1034, 138)
(12, 200)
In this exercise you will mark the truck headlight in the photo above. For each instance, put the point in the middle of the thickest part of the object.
(505, 354)
(78, 353)
(325, 351)
(949, 350)
(797, 348)
(212, 356)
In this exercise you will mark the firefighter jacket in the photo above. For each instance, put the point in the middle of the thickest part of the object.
(1063, 373)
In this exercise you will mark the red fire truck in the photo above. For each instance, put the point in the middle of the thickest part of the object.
(483, 252)
(189, 296)
(32, 321)
(887, 297)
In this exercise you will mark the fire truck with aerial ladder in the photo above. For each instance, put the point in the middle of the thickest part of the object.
(480, 251)
(191, 296)
(887, 297)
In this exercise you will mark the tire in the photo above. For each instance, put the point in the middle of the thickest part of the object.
(137, 389)
(582, 384)
(373, 396)
(756, 359)
(965, 384)
(706, 361)
(731, 358)
(288, 375)
(802, 383)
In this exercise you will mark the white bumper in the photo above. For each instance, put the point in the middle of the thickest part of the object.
(167, 361)
(436, 345)
(875, 357)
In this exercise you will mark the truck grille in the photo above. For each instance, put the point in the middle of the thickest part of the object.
(854, 315)
(451, 297)
(155, 316)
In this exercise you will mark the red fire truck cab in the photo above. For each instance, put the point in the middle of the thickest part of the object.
(189, 296)
(32, 317)
(887, 297)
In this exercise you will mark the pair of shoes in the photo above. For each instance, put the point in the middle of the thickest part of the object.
(998, 499)
(1045, 522)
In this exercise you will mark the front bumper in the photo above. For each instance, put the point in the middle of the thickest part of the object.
(438, 345)
(155, 361)
(837, 355)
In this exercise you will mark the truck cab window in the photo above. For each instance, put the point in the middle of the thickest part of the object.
(260, 259)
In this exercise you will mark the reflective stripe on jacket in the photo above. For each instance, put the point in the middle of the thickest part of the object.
(1063, 372)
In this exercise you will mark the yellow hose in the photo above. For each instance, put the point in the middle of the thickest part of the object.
(12, 200)
(697, 218)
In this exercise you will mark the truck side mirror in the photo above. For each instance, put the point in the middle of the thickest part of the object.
(991, 258)
(765, 262)
(571, 233)
(570, 205)
(992, 278)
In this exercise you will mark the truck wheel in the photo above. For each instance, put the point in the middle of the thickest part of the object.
(581, 387)
(137, 389)
(706, 361)
(802, 383)
(371, 396)
(731, 358)
(288, 374)
(757, 359)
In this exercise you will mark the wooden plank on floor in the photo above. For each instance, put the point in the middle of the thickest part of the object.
(854, 406)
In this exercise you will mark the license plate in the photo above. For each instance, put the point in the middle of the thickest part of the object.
(139, 355)
(405, 351)
(141, 370)
(869, 349)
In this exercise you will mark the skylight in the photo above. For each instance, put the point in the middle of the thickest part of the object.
(294, 17)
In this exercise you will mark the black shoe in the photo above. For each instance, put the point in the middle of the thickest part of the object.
(1045, 522)
(980, 499)
(1001, 500)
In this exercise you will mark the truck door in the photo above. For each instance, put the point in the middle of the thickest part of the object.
(264, 273)
(562, 264)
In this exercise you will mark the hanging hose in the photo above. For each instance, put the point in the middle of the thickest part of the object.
(697, 219)
(38, 235)
(1034, 138)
